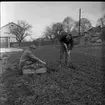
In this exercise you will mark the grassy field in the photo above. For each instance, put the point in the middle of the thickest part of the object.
(82, 86)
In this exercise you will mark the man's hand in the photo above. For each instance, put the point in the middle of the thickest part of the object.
(69, 52)
(44, 62)
(39, 60)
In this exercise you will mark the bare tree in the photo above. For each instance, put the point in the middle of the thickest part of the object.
(84, 26)
(48, 34)
(68, 23)
(101, 21)
(57, 28)
(52, 31)
(21, 30)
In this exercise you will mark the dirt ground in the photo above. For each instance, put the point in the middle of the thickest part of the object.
(82, 86)
(0, 66)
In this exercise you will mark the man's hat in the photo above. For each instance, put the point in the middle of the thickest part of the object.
(32, 46)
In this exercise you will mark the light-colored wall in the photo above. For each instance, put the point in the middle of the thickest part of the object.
(4, 32)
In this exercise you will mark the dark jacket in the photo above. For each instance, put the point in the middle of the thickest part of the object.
(67, 39)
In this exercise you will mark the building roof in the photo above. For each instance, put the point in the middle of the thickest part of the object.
(6, 33)
(96, 29)
(9, 24)
(6, 37)
(76, 34)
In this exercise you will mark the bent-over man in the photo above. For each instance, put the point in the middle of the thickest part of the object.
(66, 45)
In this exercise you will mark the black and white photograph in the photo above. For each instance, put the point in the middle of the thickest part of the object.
(52, 53)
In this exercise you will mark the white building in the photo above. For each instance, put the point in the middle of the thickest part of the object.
(5, 36)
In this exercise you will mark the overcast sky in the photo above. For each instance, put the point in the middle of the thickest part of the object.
(41, 14)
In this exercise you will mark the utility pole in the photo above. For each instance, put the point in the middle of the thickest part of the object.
(79, 23)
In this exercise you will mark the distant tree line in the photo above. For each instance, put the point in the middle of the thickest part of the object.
(54, 29)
